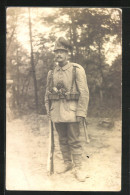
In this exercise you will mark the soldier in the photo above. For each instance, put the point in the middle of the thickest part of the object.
(68, 93)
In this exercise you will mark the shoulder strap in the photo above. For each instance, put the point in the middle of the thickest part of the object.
(73, 78)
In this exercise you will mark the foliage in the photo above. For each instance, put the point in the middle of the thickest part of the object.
(95, 34)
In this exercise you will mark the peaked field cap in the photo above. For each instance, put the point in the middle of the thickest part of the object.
(62, 44)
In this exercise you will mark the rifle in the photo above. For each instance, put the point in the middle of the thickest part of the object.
(85, 131)
(50, 160)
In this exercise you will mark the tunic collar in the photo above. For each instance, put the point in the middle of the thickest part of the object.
(68, 65)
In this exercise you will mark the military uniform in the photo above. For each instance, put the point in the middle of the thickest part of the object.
(63, 110)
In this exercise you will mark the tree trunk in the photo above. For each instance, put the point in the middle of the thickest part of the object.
(100, 68)
(74, 32)
(75, 42)
(70, 32)
(10, 39)
(32, 64)
(18, 96)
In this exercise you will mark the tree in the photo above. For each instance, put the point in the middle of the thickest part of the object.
(93, 33)
(32, 63)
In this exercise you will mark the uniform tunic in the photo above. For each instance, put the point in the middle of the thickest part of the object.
(63, 110)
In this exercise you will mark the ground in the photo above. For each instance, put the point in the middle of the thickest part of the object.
(27, 150)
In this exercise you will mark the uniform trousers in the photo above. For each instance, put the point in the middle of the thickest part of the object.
(69, 140)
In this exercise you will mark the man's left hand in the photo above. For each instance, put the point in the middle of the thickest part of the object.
(80, 119)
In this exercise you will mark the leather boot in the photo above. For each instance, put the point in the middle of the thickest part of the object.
(68, 165)
(78, 173)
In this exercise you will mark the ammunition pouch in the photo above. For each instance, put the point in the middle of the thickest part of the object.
(70, 96)
(55, 97)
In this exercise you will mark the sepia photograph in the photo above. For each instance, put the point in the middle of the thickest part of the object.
(63, 99)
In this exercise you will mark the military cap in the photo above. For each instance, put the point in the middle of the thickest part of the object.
(63, 44)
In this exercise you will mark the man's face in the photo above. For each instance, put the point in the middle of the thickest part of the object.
(61, 56)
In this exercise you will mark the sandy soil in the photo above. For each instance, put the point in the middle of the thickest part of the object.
(26, 157)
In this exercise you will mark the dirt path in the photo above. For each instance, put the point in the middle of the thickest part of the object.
(26, 156)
